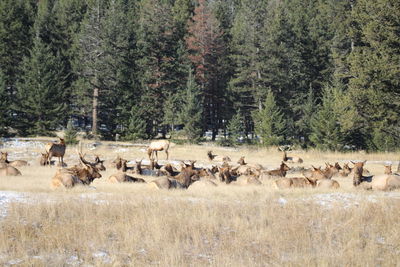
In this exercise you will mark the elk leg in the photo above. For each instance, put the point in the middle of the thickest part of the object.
(156, 154)
(166, 152)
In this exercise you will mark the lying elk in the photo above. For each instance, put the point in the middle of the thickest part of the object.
(291, 159)
(380, 182)
(183, 180)
(281, 172)
(122, 177)
(14, 163)
(56, 150)
(83, 174)
(295, 182)
(156, 146)
(212, 157)
(9, 171)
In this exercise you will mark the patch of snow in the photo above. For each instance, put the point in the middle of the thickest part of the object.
(103, 255)
(6, 197)
(14, 262)
(282, 201)
(73, 260)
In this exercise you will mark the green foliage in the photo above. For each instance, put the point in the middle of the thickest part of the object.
(375, 70)
(70, 134)
(4, 107)
(270, 124)
(41, 92)
(325, 125)
(236, 128)
(191, 112)
(136, 128)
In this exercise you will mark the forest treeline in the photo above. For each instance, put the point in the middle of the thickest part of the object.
(316, 73)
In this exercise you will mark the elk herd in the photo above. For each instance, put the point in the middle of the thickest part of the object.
(185, 174)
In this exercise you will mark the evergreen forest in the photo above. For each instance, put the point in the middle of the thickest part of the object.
(319, 74)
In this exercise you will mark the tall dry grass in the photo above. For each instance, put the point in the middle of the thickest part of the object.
(133, 225)
(178, 230)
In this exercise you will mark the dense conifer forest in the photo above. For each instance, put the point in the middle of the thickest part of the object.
(314, 73)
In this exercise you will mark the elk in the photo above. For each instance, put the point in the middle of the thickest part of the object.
(328, 183)
(292, 159)
(225, 175)
(388, 169)
(346, 170)
(122, 177)
(56, 150)
(14, 163)
(156, 146)
(241, 161)
(358, 173)
(183, 180)
(281, 172)
(331, 170)
(315, 174)
(83, 174)
(247, 180)
(212, 157)
(295, 182)
(9, 171)
(98, 164)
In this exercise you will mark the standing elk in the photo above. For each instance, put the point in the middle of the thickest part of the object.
(156, 146)
(56, 150)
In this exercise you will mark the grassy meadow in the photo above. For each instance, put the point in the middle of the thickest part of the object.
(228, 225)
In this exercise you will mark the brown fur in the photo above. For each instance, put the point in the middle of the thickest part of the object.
(225, 175)
(9, 171)
(212, 157)
(388, 169)
(122, 177)
(346, 170)
(281, 172)
(358, 173)
(55, 150)
(14, 163)
(328, 183)
(156, 146)
(81, 174)
(295, 182)
(241, 161)
(292, 159)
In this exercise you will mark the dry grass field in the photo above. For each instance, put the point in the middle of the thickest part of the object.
(228, 225)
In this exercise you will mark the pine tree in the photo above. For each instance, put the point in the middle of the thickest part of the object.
(206, 50)
(4, 107)
(246, 83)
(269, 122)
(16, 22)
(307, 111)
(171, 109)
(70, 134)
(235, 128)
(325, 124)
(375, 71)
(157, 48)
(136, 128)
(192, 110)
(41, 92)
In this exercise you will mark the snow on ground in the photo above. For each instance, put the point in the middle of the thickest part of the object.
(7, 197)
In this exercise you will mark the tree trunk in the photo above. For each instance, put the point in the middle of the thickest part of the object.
(94, 110)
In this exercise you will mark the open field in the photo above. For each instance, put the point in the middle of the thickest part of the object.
(134, 225)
